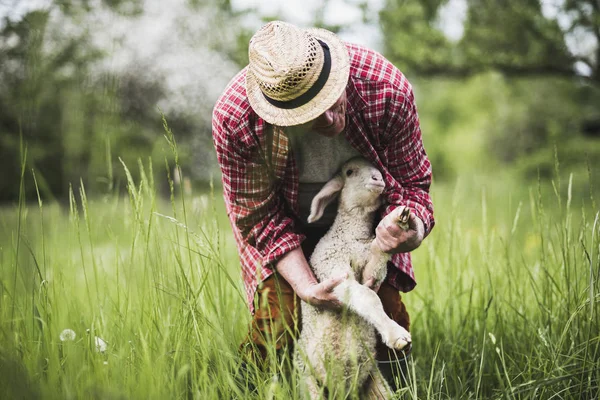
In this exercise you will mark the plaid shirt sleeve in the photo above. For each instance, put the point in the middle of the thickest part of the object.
(407, 160)
(255, 205)
(254, 185)
(390, 134)
(384, 127)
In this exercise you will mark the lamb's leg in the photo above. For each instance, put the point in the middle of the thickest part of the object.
(310, 388)
(365, 303)
(376, 266)
(377, 388)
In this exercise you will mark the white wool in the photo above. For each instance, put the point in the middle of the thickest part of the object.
(347, 339)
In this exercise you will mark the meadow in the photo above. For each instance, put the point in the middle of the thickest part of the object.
(506, 304)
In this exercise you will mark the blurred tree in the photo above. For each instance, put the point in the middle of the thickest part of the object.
(33, 85)
(77, 118)
(547, 93)
(515, 37)
(65, 116)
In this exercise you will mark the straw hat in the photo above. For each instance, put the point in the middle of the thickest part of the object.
(295, 74)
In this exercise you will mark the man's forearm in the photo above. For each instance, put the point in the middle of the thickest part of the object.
(295, 269)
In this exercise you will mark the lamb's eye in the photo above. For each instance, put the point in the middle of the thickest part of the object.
(349, 172)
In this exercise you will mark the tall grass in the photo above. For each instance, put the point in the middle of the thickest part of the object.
(506, 305)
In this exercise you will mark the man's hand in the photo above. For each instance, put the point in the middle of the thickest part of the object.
(392, 239)
(295, 269)
(321, 294)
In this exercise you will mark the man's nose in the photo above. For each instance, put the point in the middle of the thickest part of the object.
(326, 118)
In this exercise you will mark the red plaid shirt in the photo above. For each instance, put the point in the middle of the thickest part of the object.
(260, 177)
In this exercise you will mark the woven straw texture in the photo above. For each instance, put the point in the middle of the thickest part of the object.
(285, 61)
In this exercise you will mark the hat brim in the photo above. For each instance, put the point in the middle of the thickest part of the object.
(327, 96)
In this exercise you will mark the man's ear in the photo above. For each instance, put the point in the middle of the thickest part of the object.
(325, 196)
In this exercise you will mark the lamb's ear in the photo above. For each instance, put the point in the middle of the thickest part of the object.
(325, 196)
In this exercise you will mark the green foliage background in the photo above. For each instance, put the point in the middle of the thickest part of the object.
(507, 302)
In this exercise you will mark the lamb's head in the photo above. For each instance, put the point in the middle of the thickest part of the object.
(360, 185)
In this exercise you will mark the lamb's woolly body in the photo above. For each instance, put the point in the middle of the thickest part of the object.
(346, 340)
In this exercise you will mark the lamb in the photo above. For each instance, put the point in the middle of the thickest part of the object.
(348, 339)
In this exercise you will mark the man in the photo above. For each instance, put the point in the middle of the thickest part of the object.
(305, 104)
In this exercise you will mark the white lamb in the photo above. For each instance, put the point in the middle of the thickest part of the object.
(347, 340)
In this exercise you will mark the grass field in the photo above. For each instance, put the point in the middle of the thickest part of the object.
(506, 304)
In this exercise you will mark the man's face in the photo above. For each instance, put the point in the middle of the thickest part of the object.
(333, 121)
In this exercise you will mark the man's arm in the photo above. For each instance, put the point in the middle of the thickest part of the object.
(295, 269)
(409, 166)
(258, 212)
(255, 204)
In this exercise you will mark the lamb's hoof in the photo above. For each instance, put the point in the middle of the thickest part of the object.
(398, 338)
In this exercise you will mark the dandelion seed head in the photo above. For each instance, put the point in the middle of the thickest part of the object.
(101, 345)
(68, 335)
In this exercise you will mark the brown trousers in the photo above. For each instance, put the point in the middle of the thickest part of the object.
(276, 320)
